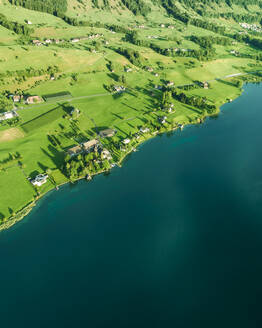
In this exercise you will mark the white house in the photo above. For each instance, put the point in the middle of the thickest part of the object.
(39, 180)
(126, 141)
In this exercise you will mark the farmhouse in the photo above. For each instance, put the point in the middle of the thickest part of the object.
(144, 130)
(28, 22)
(8, 115)
(89, 146)
(119, 88)
(126, 141)
(205, 85)
(170, 84)
(39, 180)
(105, 154)
(75, 151)
(108, 133)
(162, 120)
(33, 99)
(37, 42)
(17, 98)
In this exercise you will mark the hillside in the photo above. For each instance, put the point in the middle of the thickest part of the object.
(70, 69)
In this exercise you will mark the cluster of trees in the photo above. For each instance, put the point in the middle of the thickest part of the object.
(49, 6)
(138, 7)
(30, 72)
(249, 39)
(6, 104)
(201, 54)
(208, 25)
(243, 3)
(132, 55)
(247, 18)
(18, 28)
(209, 41)
(198, 102)
(84, 164)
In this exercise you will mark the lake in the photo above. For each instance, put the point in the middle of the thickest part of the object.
(172, 239)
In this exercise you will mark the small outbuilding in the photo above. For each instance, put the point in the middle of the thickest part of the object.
(108, 133)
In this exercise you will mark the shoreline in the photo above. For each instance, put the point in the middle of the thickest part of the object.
(21, 214)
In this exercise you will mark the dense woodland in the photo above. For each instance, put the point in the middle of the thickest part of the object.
(14, 26)
(48, 6)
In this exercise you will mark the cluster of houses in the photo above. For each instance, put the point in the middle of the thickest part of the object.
(93, 145)
(89, 37)
(251, 27)
(168, 26)
(46, 41)
(8, 115)
(58, 41)
(28, 100)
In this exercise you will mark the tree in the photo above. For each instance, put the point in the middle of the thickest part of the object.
(5, 104)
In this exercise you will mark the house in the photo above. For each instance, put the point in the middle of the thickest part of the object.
(33, 99)
(74, 151)
(149, 69)
(28, 22)
(204, 85)
(171, 27)
(126, 141)
(105, 154)
(8, 115)
(162, 120)
(162, 25)
(37, 43)
(119, 88)
(17, 98)
(128, 69)
(48, 41)
(108, 133)
(75, 40)
(144, 130)
(90, 145)
(170, 84)
(39, 180)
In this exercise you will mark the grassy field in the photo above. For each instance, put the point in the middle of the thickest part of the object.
(45, 131)
(22, 191)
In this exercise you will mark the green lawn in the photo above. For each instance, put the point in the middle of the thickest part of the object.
(22, 191)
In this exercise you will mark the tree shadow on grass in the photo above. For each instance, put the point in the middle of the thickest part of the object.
(226, 82)
(55, 155)
(42, 166)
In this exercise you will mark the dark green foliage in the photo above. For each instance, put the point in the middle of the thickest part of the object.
(14, 26)
(138, 7)
(198, 102)
(48, 6)
(209, 41)
(133, 56)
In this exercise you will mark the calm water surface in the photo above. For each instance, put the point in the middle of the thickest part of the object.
(173, 239)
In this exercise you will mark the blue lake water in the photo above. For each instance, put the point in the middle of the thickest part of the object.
(172, 239)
